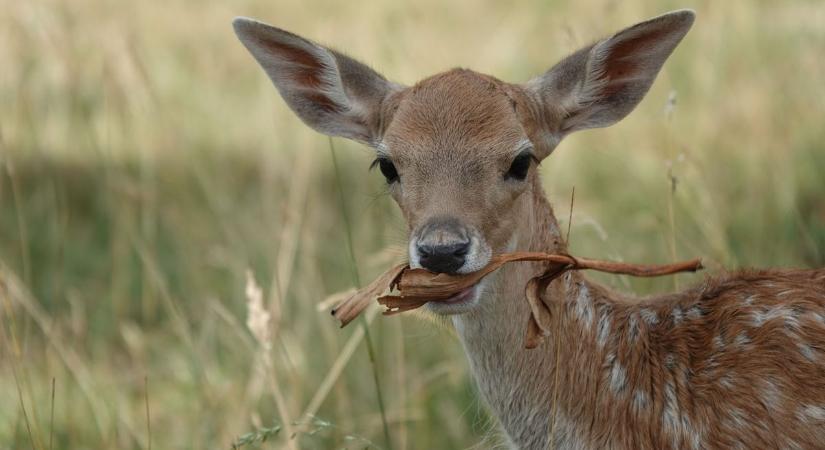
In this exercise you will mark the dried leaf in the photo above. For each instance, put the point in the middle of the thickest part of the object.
(417, 287)
(350, 308)
(396, 303)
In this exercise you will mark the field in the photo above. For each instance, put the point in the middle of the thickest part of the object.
(148, 167)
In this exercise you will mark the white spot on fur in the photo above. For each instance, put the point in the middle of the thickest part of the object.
(584, 306)
(688, 432)
(811, 413)
(697, 441)
(778, 312)
(618, 379)
(605, 318)
(649, 316)
(807, 351)
(770, 394)
(718, 342)
(678, 315)
(749, 300)
(741, 340)
(738, 418)
(759, 318)
(792, 320)
(640, 399)
(670, 415)
(694, 313)
(726, 381)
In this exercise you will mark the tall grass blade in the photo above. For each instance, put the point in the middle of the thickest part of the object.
(356, 279)
(23, 408)
(51, 419)
(148, 417)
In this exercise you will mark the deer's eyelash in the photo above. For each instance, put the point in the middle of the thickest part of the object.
(387, 169)
(520, 166)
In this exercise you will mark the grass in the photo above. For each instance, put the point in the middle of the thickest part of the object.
(356, 279)
(146, 164)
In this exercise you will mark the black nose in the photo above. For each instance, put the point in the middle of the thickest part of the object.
(443, 258)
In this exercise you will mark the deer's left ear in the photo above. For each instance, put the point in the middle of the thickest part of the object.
(601, 84)
(332, 93)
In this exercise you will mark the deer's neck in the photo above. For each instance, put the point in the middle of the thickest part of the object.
(519, 384)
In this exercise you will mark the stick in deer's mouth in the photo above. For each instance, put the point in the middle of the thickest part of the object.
(416, 287)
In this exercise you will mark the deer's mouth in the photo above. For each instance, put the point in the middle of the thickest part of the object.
(459, 303)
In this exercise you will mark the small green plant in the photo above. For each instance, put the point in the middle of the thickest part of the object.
(316, 425)
(259, 436)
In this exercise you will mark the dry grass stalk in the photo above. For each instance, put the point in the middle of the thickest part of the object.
(257, 315)
(258, 320)
(416, 287)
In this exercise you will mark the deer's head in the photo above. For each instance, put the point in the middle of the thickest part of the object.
(459, 149)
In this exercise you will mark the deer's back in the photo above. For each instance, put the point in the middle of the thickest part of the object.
(738, 361)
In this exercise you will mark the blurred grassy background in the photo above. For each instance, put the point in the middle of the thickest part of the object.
(146, 164)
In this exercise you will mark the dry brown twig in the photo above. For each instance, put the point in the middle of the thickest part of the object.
(415, 287)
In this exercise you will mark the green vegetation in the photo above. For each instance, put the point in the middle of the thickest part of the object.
(146, 163)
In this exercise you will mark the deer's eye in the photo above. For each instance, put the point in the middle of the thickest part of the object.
(387, 168)
(520, 166)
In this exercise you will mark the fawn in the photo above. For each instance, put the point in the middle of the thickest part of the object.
(736, 362)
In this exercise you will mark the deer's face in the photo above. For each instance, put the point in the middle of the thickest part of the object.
(459, 149)
(456, 168)
(458, 158)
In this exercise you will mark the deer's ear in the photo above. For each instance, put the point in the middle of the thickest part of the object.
(330, 92)
(599, 85)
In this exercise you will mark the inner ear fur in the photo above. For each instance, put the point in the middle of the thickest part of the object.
(331, 92)
(602, 83)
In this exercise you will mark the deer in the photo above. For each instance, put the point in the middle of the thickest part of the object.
(735, 361)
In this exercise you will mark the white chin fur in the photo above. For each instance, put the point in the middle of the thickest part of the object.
(415, 260)
(478, 257)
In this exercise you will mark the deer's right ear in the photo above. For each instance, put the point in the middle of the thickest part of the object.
(330, 92)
